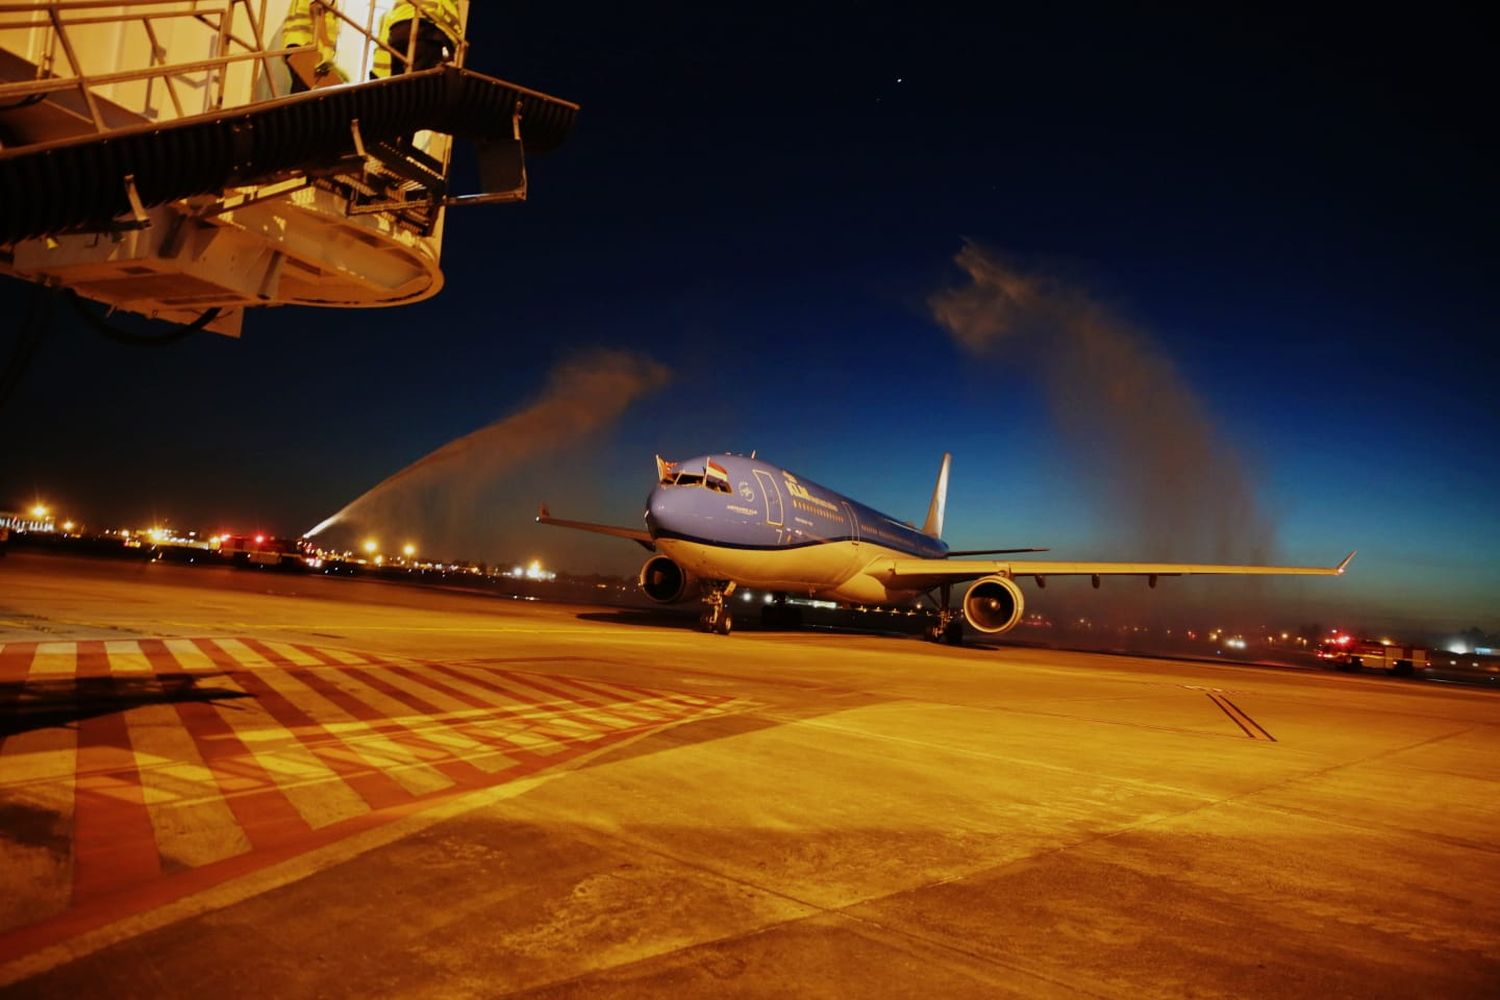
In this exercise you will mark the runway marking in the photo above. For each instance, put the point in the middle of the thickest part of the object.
(125, 657)
(292, 654)
(343, 656)
(460, 715)
(1211, 690)
(54, 659)
(366, 743)
(114, 844)
(537, 730)
(1251, 728)
(139, 772)
(315, 792)
(519, 731)
(434, 724)
(36, 877)
(188, 654)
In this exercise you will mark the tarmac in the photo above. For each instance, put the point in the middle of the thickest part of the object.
(247, 784)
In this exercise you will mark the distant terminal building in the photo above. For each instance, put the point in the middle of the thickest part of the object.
(183, 161)
(28, 522)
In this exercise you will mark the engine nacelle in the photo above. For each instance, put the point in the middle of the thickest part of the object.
(665, 582)
(993, 605)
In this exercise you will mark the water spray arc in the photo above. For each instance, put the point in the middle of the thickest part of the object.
(439, 491)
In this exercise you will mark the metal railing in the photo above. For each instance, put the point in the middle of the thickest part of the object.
(58, 17)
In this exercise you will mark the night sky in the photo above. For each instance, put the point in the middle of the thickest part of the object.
(1299, 211)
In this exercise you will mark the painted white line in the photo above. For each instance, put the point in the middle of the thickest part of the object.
(194, 824)
(125, 657)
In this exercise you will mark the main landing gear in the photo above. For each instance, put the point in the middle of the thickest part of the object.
(948, 623)
(716, 616)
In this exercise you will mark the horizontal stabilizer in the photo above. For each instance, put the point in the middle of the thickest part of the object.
(637, 535)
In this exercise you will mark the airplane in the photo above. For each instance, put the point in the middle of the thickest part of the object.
(722, 521)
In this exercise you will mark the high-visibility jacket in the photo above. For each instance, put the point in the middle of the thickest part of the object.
(300, 29)
(442, 13)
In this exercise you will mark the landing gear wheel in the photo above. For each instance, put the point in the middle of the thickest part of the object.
(716, 616)
(947, 625)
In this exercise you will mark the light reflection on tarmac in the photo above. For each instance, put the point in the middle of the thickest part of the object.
(218, 780)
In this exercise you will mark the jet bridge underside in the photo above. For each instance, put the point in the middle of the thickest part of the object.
(318, 198)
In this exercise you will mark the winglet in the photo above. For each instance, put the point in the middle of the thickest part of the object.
(542, 513)
(1345, 564)
(934, 525)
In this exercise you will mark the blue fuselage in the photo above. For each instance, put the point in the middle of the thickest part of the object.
(760, 525)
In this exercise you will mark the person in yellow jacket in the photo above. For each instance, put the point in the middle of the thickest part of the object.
(438, 35)
(312, 25)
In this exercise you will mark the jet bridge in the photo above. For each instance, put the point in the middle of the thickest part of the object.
(193, 183)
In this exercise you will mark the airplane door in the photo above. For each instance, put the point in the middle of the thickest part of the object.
(774, 513)
(853, 524)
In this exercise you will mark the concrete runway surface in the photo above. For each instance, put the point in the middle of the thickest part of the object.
(231, 783)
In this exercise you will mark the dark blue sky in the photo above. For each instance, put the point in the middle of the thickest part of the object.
(1299, 210)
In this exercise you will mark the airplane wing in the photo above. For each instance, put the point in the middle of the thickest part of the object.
(924, 574)
(638, 535)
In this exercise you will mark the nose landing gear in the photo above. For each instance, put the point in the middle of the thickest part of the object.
(716, 616)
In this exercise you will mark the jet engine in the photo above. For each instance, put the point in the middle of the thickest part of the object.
(665, 582)
(993, 604)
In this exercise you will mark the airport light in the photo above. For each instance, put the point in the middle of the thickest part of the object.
(39, 511)
(380, 560)
(67, 525)
(371, 545)
(408, 550)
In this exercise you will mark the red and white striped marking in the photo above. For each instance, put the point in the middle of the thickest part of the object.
(133, 773)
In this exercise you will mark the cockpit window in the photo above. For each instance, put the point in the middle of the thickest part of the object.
(696, 479)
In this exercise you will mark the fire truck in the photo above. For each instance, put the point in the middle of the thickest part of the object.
(1347, 652)
(263, 550)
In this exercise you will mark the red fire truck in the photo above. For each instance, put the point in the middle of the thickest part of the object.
(263, 550)
(1347, 652)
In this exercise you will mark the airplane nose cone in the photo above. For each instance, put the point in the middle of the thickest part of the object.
(658, 511)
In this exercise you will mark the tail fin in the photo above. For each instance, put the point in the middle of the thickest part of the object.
(934, 525)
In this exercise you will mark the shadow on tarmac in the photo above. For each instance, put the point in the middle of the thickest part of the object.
(722, 727)
(35, 704)
(641, 617)
(809, 620)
